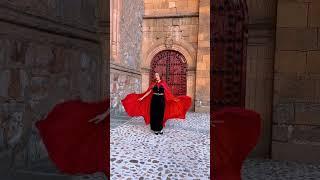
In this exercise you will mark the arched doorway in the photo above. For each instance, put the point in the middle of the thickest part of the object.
(172, 67)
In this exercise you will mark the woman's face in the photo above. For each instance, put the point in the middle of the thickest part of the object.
(157, 76)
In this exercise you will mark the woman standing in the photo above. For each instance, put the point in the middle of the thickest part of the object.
(157, 104)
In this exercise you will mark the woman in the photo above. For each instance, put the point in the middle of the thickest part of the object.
(75, 145)
(157, 104)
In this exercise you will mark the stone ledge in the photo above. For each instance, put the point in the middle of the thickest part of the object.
(47, 25)
(118, 67)
(176, 15)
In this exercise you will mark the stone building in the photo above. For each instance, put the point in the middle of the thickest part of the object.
(141, 31)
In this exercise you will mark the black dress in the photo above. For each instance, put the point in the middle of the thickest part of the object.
(157, 108)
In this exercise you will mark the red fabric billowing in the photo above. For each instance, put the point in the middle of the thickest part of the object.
(75, 145)
(234, 136)
(175, 107)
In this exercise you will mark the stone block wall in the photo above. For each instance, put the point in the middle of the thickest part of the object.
(125, 66)
(296, 114)
(170, 7)
(202, 93)
(49, 52)
(181, 25)
(259, 67)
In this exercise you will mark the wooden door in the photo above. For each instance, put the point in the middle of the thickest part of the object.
(172, 67)
(228, 53)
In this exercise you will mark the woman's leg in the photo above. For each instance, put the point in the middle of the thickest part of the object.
(157, 113)
(153, 114)
(161, 112)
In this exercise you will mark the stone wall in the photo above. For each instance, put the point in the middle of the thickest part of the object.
(202, 97)
(171, 7)
(260, 61)
(49, 52)
(295, 132)
(182, 26)
(125, 75)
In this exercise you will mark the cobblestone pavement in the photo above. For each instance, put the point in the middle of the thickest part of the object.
(182, 152)
(262, 169)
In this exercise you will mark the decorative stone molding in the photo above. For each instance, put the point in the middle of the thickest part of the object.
(181, 46)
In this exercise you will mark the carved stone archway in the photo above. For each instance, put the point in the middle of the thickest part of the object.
(181, 46)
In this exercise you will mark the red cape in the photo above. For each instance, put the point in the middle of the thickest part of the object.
(175, 106)
(75, 145)
(234, 136)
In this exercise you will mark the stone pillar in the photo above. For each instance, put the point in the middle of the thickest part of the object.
(259, 68)
(202, 86)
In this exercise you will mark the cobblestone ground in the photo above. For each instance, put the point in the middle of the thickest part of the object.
(261, 169)
(183, 153)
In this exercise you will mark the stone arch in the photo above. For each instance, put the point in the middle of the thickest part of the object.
(181, 46)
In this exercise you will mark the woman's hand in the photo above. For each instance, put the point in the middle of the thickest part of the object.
(140, 99)
(176, 100)
(99, 117)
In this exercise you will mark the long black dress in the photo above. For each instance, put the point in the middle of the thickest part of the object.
(157, 108)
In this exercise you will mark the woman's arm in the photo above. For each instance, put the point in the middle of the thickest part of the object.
(100, 117)
(145, 95)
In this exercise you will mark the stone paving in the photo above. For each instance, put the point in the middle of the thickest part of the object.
(182, 152)
(262, 169)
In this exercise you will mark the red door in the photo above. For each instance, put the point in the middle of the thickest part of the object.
(172, 67)
(228, 53)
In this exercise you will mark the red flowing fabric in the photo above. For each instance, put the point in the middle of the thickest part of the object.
(175, 106)
(236, 133)
(75, 145)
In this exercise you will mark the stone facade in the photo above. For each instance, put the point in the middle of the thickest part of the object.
(182, 26)
(125, 68)
(202, 92)
(296, 101)
(259, 69)
(49, 52)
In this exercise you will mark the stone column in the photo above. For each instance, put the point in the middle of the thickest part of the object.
(202, 86)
